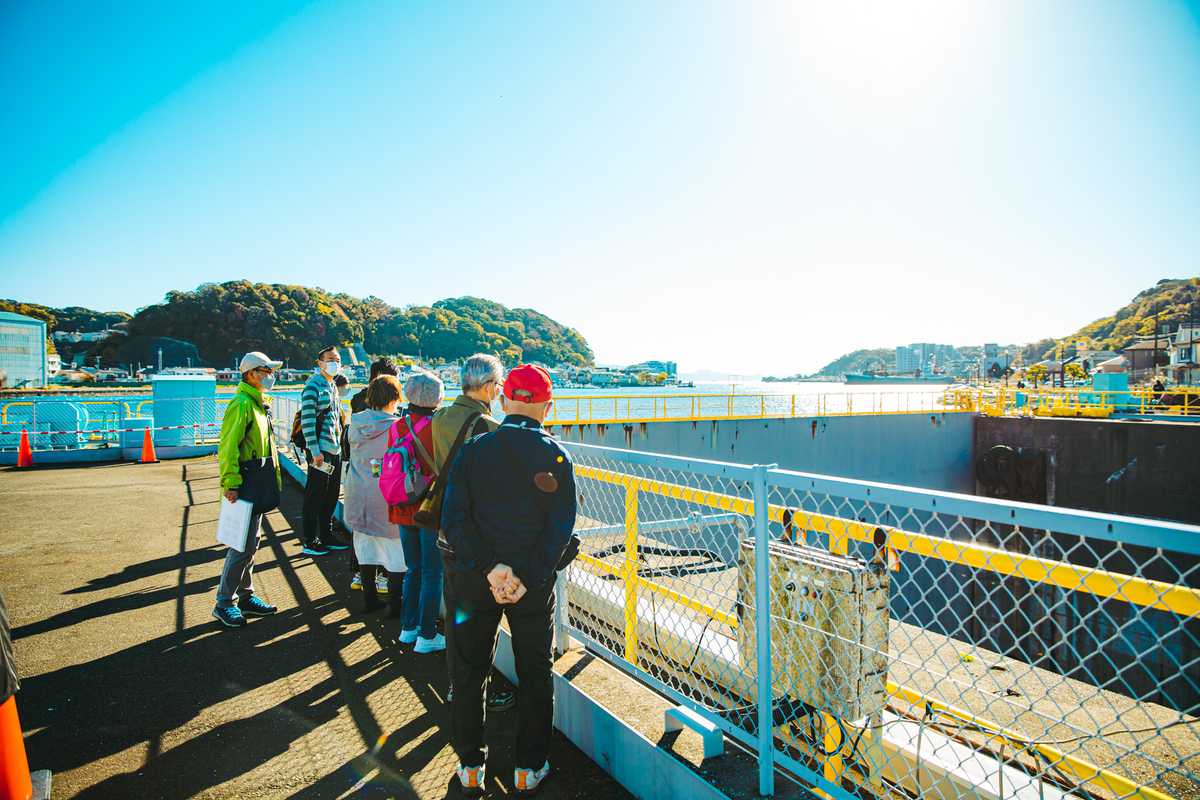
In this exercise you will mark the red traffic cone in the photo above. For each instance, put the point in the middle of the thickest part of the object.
(148, 454)
(15, 782)
(24, 451)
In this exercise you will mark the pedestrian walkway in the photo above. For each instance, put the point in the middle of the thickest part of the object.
(130, 688)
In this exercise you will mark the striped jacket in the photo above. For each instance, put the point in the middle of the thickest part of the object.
(318, 395)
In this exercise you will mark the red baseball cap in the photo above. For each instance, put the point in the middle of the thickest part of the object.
(528, 384)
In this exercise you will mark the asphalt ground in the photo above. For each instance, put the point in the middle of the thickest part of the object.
(131, 689)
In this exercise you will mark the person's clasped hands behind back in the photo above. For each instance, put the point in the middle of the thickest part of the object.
(507, 588)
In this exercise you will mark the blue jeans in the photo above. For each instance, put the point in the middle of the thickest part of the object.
(422, 582)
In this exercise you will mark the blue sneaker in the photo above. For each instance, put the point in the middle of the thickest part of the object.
(255, 606)
(314, 548)
(528, 781)
(334, 544)
(230, 617)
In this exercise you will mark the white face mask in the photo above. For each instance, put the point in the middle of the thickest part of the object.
(268, 381)
(331, 368)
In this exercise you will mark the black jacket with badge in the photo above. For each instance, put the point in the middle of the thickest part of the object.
(510, 500)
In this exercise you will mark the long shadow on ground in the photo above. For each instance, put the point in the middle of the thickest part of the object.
(162, 688)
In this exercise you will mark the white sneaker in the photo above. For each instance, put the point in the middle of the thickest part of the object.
(527, 781)
(437, 643)
(471, 779)
(408, 637)
(381, 582)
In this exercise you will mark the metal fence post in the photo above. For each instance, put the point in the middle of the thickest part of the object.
(560, 613)
(629, 570)
(762, 634)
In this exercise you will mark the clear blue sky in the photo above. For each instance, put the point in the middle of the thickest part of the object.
(745, 187)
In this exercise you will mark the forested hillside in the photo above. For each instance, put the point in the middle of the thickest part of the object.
(72, 318)
(1171, 301)
(291, 322)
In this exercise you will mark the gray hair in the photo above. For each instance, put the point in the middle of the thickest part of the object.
(424, 389)
(481, 369)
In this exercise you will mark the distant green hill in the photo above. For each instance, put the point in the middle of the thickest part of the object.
(72, 318)
(291, 322)
(873, 360)
(1175, 300)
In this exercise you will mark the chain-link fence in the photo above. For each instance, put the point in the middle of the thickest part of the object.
(82, 423)
(920, 644)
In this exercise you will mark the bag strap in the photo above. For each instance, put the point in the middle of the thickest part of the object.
(458, 443)
(417, 443)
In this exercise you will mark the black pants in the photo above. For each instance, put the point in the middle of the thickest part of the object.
(320, 498)
(472, 620)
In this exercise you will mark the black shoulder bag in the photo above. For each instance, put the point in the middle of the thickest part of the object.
(429, 515)
(259, 482)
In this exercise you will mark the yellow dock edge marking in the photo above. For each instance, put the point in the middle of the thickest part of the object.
(1159, 595)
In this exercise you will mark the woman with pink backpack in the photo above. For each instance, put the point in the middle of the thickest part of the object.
(365, 511)
(413, 439)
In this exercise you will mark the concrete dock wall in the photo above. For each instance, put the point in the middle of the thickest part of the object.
(1138, 468)
(1145, 469)
(930, 451)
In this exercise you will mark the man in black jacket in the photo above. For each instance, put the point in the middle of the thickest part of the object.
(508, 519)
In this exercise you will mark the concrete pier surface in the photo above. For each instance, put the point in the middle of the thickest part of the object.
(131, 689)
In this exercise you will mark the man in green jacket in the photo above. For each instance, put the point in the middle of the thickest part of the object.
(245, 437)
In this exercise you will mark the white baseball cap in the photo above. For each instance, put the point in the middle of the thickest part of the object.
(255, 360)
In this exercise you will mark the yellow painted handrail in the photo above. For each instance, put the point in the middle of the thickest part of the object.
(1101, 583)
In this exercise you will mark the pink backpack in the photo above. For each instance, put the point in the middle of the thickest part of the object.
(403, 478)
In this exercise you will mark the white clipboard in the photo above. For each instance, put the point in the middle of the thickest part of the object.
(234, 523)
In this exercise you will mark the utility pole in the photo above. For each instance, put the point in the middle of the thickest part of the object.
(1154, 360)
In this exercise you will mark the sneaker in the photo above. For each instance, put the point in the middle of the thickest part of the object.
(381, 582)
(333, 543)
(314, 548)
(255, 606)
(229, 616)
(470, 780)
(527, 781)
(407, 637)
(356, 582)
(434, 645)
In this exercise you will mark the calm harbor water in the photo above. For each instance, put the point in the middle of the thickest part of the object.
(90, 419)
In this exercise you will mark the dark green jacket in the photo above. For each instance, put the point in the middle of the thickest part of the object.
(245, 435)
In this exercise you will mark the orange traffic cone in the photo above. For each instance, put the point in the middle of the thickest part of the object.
(15, 782)
(148, 454)
(24, 451)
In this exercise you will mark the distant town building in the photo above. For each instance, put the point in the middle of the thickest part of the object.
(1184, 365)
(924, 358)
(667, 368)
(23, 356)
(1139, 356)
(994, 362)
(86, 336)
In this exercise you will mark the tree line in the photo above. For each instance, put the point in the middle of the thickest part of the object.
(290, 322)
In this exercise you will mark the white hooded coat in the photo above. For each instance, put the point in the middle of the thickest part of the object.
(363, 507)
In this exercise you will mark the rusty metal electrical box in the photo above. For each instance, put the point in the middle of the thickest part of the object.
(829, 628)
